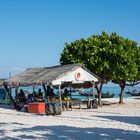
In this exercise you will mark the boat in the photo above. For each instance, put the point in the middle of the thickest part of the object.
(106, 95)
(133, 93)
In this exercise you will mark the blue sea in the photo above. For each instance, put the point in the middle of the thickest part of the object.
(116, 90)
(111, 89)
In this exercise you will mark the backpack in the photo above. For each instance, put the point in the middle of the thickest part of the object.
(53, 108)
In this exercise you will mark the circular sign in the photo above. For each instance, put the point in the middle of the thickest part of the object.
(77, 75)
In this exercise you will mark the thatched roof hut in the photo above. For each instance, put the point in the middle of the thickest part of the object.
(55, 75)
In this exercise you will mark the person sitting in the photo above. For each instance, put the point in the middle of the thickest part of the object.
(52, 95)
(65, 95)
(21, 96)
(30, 98)
(66, 100)
(40, 94)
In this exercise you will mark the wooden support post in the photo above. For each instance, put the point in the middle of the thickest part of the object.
(33, 91)
(70, 92)
(7, 96)
(16, 92)
(44, 88)
(60, 100)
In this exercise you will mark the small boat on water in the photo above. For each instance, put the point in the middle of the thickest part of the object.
(95, 94)
(133, 93)
(106, 95)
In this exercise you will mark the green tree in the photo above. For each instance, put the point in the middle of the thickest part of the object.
(93, 53)
(111, 57)
(125, 66)
(137, 78)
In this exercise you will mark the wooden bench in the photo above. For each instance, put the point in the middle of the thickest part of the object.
(76, 102)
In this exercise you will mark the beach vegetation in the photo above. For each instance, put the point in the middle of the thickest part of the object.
(111, 57)
(125, 66)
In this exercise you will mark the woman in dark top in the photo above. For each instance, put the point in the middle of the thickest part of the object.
(21, 96)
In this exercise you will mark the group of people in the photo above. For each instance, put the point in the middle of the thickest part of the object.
(31, 97)
(39, 95)
(35, 96)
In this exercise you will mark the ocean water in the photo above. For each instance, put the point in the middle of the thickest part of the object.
(111, 89)
(116, 90)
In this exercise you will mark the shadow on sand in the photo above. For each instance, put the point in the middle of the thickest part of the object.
(71, 133)
(125, 119)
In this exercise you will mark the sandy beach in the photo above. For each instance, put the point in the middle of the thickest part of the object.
(111, 122)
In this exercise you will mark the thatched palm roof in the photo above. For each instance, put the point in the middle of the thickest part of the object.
(45, 74)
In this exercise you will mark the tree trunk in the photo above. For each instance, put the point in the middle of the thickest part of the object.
(99, 91)
(16, 94)
(99, 99)
(121, 95)
(44, 88)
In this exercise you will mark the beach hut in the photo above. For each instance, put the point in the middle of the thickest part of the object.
(72, 74)
(76, 75)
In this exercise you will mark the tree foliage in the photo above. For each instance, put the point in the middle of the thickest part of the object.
(111, 57)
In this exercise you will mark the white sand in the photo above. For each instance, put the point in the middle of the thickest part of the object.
(118, 122)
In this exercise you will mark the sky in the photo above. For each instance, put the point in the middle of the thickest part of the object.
(33, 32)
